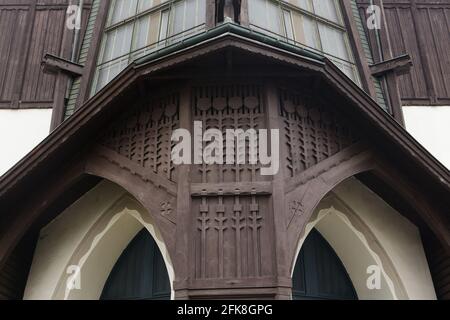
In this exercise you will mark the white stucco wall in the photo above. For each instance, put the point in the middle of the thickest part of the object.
(20, 132)
(399, 239)
(378, 226)
(62, 244)
(58, 240)
(431, 127)
(396, 235)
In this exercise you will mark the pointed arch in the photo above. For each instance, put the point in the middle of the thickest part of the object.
(334, 223)
(83, 244)
(360, 244)
(104, 243)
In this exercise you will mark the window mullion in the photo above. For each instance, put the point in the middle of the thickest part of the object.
(133, 33)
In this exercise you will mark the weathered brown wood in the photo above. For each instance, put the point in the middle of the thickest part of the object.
(398, 65)
(30, 211)
(278, 199)
(230, 189)
(418, 28)
(30, 30)
(225, 242)
(54, 64)
(23, 55)
(184, 245)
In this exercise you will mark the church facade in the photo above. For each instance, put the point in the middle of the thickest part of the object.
(320, 92)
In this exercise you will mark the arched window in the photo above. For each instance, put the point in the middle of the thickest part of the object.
(319, 273)
(137, 27)
(139, 273)
(315, 24)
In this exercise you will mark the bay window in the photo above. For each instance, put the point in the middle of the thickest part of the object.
(137, 27)
(314, 24)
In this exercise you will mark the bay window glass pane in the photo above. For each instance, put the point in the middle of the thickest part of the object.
(266, 15)
(125, 42)
(333, 42)
(310, 33)
(201, 12)
(118, 42)
(300, 22)
(186, 15)
(122, 10)
(141, 33)
(108, 71)
(326, 9)
(164, 26)
(257, 10)
(348, 68)
(146, 35)
(288, 24)
(145, 5)
(304, 4)
(190, 14)
(178, 17)
(273, 16)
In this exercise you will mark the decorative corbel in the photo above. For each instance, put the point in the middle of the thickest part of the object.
(53, 64)
(399, 65)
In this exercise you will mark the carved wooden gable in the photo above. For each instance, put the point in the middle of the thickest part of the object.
(313, 131)
(225, 107)
(231, 209)
(142, 136)
(233, 238)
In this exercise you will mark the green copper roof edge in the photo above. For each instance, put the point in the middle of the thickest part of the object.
(231, 28)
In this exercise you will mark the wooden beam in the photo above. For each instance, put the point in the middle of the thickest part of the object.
(399, 65)
(54, 64)
(395, 102)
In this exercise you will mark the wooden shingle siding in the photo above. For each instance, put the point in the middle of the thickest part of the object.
(13, 22)
(368, 53)
(420, 28)
(75, 88)
(30, 29)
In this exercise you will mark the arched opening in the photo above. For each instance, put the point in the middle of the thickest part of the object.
(139, 273)
(78, 251)
(319, 273)
(371, 238)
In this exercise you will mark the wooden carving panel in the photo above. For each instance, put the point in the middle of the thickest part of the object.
(228, 107)
(143, 135)
(233, 237)
(313, 132)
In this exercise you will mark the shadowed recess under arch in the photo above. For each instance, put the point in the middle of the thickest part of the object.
(139, 273)
(319, 273)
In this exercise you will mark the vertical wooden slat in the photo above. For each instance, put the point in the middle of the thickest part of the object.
(421, 29)
(31, 29)
(25, 45)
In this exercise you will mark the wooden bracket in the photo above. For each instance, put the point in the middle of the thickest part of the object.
(400, 65)
(54, 64)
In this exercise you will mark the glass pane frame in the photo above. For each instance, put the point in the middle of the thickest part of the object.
(143, 9)
(312, 40)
